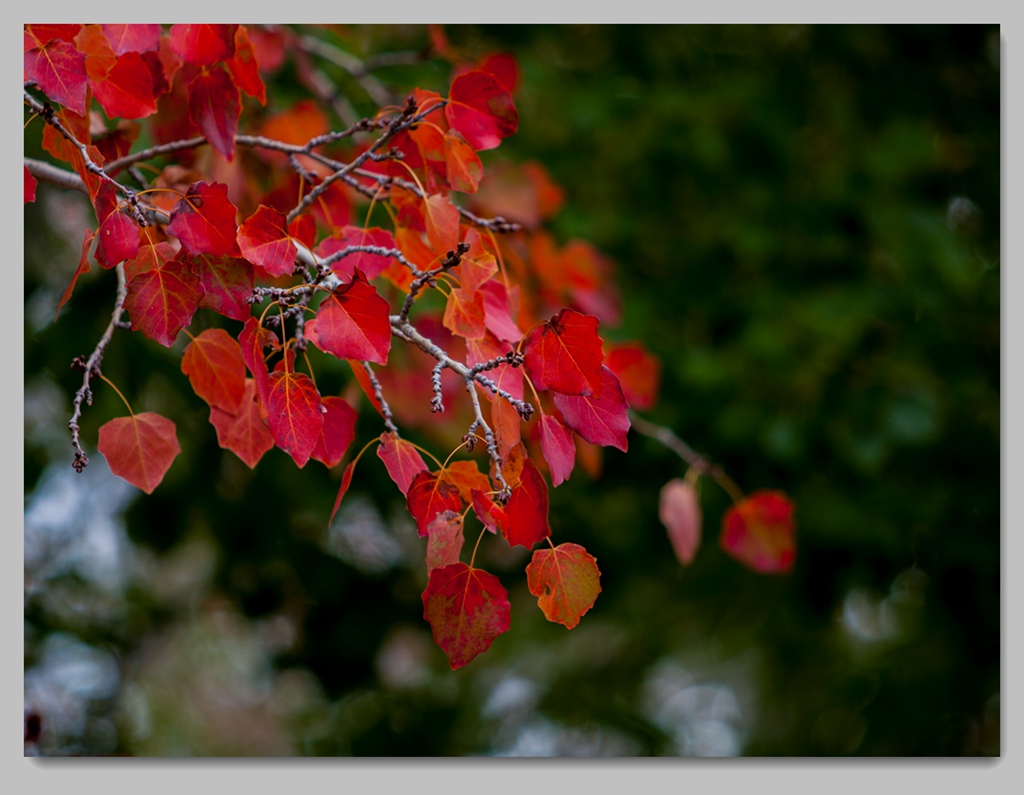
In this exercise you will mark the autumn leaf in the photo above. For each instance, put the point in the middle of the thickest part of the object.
(263, 239)
(481, 109)
(126, 91)
(252, 339)
(401, 459)
(565, 580)
(429, 495)
(441, 219)
(467, 608)
(203, 45)
(564, 354)
(117, 240)
(466, 477)
(83, 267)
(244, 432)
(444, 540)
(600, 420)
(679, 510)
(507, 426)
(214, 106)
(228, 283)
(527, 509)
(59, 70)
(337, 433)
(214, 366)
(346, 481)
(353, 322)
(161, 302)
(497, 312)
(464, 169)
(139, 448)
(204, 220)
(759, 533)
(558, 448)
(294, 414)
(465, 316)
(490, 514)
(370, 264)
(132, 38)
(244, 69)
(30, 186)
(638, 371)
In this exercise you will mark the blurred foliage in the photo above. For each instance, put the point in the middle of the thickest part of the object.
(805, 222)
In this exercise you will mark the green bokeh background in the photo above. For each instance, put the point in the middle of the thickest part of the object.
(805, 223)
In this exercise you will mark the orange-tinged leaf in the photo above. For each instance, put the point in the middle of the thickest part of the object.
(83, 267)
(467, 609)
(566, 581)
(679, 510)
(429, 495)
(294, 414)
(558, 448)
(204, 220)
(59, 70)
(337, 433)
(507, 426)
(139, 448)
(564, 354)
(759, 532)
(214, 106)
(463, 165)
(244, 67)
(353, 322)
(527, 509)
(442, 224)
(491, 514)
(401, 459)
(466, 477)
(99, 55)
(213, 363)
(507, 377)
(600, 420)
(481, 109)
(465, 316)
(263, 239)
(244, 432)
(477, 266)
(161, 302)
(444, 540)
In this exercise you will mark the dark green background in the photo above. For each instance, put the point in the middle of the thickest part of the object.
(805, 222)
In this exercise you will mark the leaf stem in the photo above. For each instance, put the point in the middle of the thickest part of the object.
(114, 387)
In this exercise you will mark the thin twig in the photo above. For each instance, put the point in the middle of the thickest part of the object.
(378, 393)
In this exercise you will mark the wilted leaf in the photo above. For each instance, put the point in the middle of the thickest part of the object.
(565, 580)
(467, 609)
(679, 510)
(444, 540)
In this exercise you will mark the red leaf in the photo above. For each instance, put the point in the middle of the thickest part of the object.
(558, 448)
(59, 69)
(480, 108)
(152, 253)
(477, 266)
(127, 90)
(346, 480)
(401, 459)
(566, 581)
(600, 420)
(132, 38)
(263, 239)
(527, 510)
(638, 371)
(244, 68)
(497, 314)
(244, 432)
(253, 339)
(38, 35)
(204, 220)
(504, 67)
(83, 267)
(353, 323)
(303, 229)
(465, 316)
(337, 433)
(214, 106)
(363, 379)
(161, 302)
(444, 540)
(464, 169)
(507, 377)
(118, 240)
(491, 514)
(30, 186)
(294, 414)
(442, 224)
(759, 533)
(139, 448)
(228, 282)
(679, 511)
(428, 496)
(370, 264)
(203, 45)
(564, 355)
(467, 609)
(214, 366)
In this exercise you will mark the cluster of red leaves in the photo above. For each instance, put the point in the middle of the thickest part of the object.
(515, 303)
